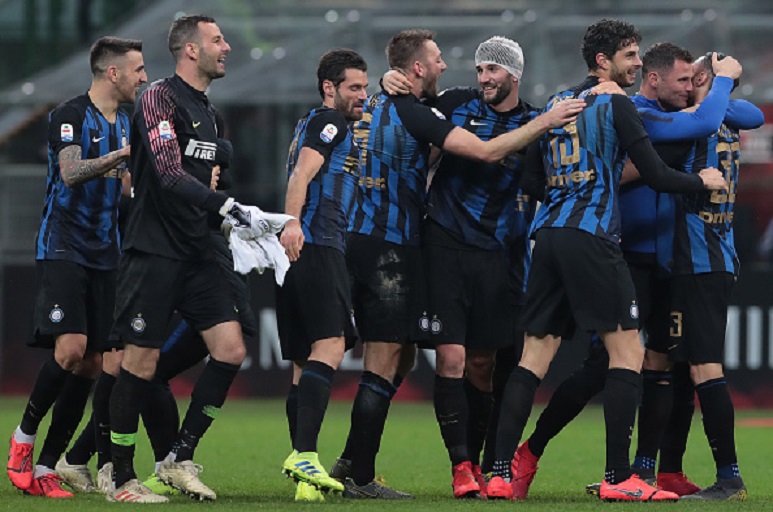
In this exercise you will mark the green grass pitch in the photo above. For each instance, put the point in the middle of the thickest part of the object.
(243, 451)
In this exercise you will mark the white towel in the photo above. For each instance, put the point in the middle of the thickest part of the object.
(252, 252)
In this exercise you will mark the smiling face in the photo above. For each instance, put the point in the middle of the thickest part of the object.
(674, 86)
(350, 95)
(131, 76)
(495, 83)
(433, 66)
(213, 51)
(624, 65)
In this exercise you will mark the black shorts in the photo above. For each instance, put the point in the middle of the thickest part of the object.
(469, 297)
(699, 316)
(73, 299)
(578, 280)
(238, 284)
(314, 302)
(653, 291)
(151, 288)
(388, 290)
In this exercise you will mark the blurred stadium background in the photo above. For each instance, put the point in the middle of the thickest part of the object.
(271, 82)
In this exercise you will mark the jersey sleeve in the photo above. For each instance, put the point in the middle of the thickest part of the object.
(424, 123)
(634, 140)
(450, 99)
(64, 128)
(158, 112)
(744, 115)
(705, 120)
(324, 132)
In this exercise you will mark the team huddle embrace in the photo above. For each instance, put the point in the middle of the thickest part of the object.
(466, 220)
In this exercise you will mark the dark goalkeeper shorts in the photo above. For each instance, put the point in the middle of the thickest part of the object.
(469, 297)
(151, 288)
(73, 299)
(699, 316)
(314, 302)
(387, 289)
(578, 280)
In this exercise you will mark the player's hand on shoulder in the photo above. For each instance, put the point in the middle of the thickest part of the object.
(292, 239)
(713, 179)
(395, 83)
(563, 112)
(607, 87)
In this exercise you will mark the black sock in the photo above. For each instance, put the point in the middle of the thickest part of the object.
(397, 381)
(451, 414)
(479, 405)
(207, 398)
(568, 400)
(161, 419)
(654, 413)
(85, 446)
(621, 396)
(101, 413)
(128, 393)
(718, 420)
(67, 415)
(184, 349)
(369, 414)
(674, 441)
(48, 384)
(291, 410)
(313, 397)
(505, 362)
(516, 408)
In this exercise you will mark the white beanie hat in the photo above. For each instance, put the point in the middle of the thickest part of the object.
(503, 52)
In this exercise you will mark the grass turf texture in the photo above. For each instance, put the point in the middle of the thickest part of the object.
(244, 449)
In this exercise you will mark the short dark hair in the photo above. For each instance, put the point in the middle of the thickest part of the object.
(662, 56)
(608, 37)
(106, 49)
(184, 30)
(404, 47)
(333, 66)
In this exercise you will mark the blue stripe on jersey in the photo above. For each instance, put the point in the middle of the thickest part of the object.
(80, 224)
(703, 240)
(583, 162)
(476, 201)
(393, 175)
(331, 194)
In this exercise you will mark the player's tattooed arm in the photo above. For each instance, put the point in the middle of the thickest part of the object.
(75, 171)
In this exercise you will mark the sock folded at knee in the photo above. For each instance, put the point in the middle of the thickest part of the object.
(48, 385)
(516, 408)
(67, 415)
(313, 397)
(719, 424)
(451, 413)
(207, 398)
(621, 396)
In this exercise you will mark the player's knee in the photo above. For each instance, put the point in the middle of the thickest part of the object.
(450, 360)
(70, 354)
(90, 366)
(233, 352)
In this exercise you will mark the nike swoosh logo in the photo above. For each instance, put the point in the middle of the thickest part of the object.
(95, 139)
(477, 123)
(195, 124)
(634, 494)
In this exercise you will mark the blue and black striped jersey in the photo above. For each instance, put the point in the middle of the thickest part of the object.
(476, 202)
(80, 224)
(331, 193)
(703, 232)
(395, 134)
(583, 161)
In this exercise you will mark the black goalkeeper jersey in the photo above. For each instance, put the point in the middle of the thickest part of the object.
(174, 144)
